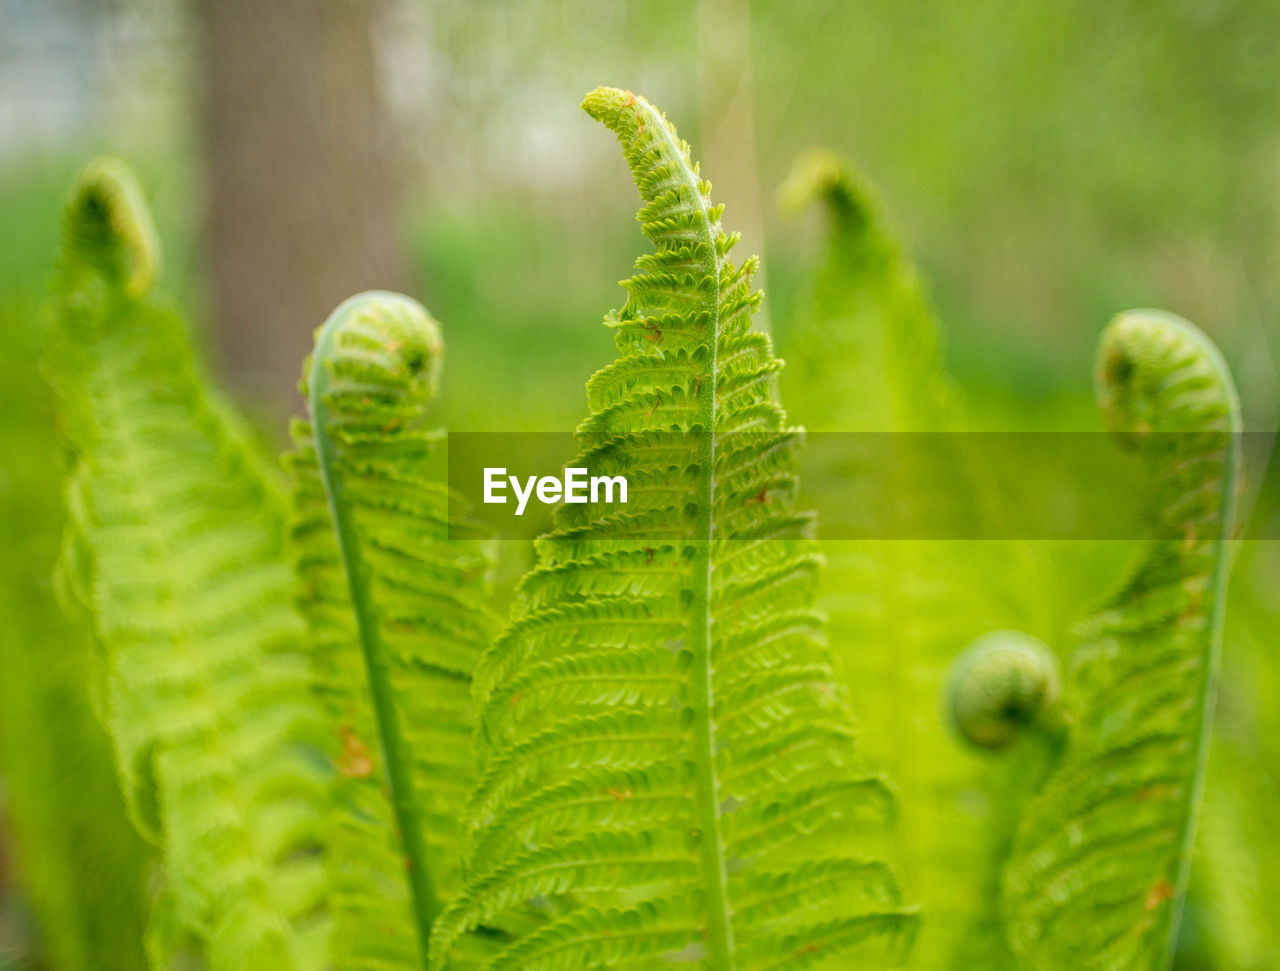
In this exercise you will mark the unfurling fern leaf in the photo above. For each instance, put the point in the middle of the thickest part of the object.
(1101, 860)
(397, 614)
(660, 737)
(175, 547)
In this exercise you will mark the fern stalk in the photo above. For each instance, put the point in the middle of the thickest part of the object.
(1207, 355)
(702, 701)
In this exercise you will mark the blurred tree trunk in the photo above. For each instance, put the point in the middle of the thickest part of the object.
(301, 175)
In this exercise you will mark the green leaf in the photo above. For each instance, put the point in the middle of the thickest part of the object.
(662, 746)
(394, 595)
(175, 550)
(1102, 857)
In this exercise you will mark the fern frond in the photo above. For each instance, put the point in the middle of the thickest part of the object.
(864, 357)
(661, 742)
(175, 545)
(396, 610)
(1101, 860)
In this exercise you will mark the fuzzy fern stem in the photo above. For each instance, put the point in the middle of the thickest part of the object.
(396, 756)
(720, 931)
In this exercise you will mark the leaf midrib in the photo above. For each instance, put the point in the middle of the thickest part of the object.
(719, 942)
(1213, 660)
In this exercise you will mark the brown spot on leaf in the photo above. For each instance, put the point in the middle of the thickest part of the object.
(355, 761)
(1161, 892)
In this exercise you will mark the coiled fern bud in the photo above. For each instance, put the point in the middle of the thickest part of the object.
(1002, 683)
(1157, 373)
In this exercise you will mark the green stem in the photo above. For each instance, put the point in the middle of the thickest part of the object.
(395, 750)
(719, 940)
(1213, 663)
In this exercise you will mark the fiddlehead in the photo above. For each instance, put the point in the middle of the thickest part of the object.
(1002, 683)
(1101, 861)
(396, 609)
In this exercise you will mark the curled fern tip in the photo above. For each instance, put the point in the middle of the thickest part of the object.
(391, 333)
(1001, 684)
(108, 227)
(821, 174)
(1140, 354)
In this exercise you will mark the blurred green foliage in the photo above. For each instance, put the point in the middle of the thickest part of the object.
(81, 866)
(1048, 165)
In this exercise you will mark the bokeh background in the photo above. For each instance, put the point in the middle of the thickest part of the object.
(1047, 164)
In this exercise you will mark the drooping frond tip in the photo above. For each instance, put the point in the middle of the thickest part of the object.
(665, 173)
(625, 114)
(108, 227)
(1002, 683)
(822, 174)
